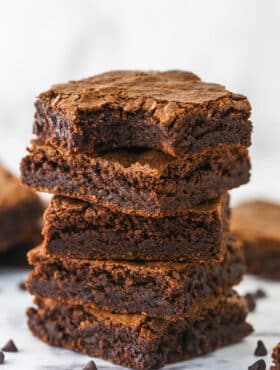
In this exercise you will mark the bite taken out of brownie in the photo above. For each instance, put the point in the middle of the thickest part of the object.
(21, 213)
(138, 341)
(257, 224)
(172, 111)
(78, 229)
(156, 289)
(147, 183)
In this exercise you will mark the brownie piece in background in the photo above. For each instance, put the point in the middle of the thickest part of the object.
(79, 229)
(21, 213)
(147, 183)
(257, 224)
(17, 255)
(163, 290)
(173, 111)
(138, 341)
(276, 357)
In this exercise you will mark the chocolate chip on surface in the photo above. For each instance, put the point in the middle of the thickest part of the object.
(2, 357)
(22, 285)
(258, 365)
(90, 366)
(251, 301)
(260, 293)
(260, 350)
(10, 347)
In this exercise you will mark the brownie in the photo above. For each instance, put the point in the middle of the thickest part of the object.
(158, 289)
(147, 183)
(17, 256)
(79, 229)
(20, 213)
(138, 341)
(173, 111)
(276, 357)
(257, 223)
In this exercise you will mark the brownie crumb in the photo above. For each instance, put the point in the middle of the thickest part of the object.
(90, 366)
(251, 301)
(260, 293)
(252, 297)
(276, 358)
(22, 285)
(260, 350)
(2, 358)
(10, 347)
(258, 365)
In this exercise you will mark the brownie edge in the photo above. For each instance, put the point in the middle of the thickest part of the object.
(158, 289)
(173, 111)
(256, 223)
(146, 183)
(79, 229)
(137, 341)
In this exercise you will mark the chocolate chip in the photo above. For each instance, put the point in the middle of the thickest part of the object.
(258, 365)
(90, 366)
(252, 298)
(260, 293)
(260, 350)
(2, 357)
(22, 285)
(10, 347)
(251, 301)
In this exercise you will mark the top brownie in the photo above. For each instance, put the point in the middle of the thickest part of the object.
(172, 111)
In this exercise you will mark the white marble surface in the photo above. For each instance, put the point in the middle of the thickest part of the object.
(34, 355)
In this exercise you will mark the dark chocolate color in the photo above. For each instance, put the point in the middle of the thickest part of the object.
(171, 111)
(137, 341)
(163, 290)
(9, 346)
(260, 349)
(79, 229)
(147, 183)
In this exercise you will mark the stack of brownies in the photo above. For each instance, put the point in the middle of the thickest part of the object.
(137, 266)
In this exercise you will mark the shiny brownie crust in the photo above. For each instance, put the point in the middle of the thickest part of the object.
(173, 111)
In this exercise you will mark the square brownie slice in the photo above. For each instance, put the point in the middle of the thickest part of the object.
(146, 183)
(257, 223)
(163, 290)
(173, 111)
(79, 229)
(138, 341)
(20, 213)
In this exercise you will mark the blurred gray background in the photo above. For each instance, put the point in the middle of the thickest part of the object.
(233, 42)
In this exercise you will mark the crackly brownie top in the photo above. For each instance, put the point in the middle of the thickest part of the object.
(12, 192)
(165, 94)
(257, 219)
